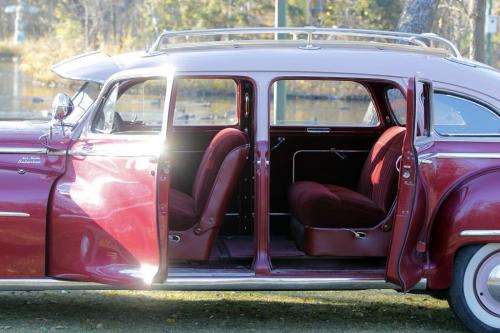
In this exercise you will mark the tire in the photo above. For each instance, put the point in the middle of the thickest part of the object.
(473, 300)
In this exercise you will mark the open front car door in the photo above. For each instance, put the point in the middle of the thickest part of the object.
(108, 219)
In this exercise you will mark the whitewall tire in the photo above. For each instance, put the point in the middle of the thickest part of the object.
(474, 294)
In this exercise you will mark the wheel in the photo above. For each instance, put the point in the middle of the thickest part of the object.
(474, 294)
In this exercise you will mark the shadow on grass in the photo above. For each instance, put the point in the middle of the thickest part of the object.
(369, 311)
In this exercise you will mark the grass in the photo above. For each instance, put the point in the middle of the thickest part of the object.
(139, 311)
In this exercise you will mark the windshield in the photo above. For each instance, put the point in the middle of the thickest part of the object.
(83, 99)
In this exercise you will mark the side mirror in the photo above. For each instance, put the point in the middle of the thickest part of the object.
(62, 106)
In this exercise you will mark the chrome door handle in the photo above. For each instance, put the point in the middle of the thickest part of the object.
(424, 161)
(318, 130)
(426, 158)
(88, 148)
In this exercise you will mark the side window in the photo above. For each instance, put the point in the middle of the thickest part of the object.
(132, 107)
(205, 102)
(82, 100)
(325, 103)
(397, 103)
(103, 123)
(455, 116)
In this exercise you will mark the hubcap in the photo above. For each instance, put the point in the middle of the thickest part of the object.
(488, 284)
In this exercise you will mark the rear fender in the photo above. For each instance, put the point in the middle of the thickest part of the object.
(474, 204)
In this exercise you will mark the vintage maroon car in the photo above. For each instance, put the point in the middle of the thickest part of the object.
(336, 159)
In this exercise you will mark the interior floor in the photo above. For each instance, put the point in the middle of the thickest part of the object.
(235, 254)
(238, 252)
(328, 264)
(243, 247)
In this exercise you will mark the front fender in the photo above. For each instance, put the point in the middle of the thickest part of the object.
(472, 205)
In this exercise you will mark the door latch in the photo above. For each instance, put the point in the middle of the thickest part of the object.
(165, 168)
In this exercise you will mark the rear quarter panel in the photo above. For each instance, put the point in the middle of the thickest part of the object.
(470, 203)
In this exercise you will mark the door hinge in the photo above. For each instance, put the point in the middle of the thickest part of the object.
(163, 209)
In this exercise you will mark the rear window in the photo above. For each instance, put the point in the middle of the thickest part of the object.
(456, 116)
(453, 115)
(205, 102)
(323, 103)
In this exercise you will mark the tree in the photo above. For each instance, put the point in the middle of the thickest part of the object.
(365, 14)
(478, 19)
(418, 16)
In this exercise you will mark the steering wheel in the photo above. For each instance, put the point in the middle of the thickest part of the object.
(118, 123)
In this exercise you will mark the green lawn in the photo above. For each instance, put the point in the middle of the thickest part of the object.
(131, 311)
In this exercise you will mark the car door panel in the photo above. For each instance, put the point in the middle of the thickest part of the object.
(26, 181)
(101, 215)
(107, 223)
(407, 258)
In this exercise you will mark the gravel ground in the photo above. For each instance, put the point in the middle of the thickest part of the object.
(138, 311)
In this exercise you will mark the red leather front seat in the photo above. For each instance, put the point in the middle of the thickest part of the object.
(194, 219)
(331, 206)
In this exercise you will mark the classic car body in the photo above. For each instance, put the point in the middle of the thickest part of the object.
(404, 194)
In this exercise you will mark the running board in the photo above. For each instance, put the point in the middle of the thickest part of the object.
(214, 283)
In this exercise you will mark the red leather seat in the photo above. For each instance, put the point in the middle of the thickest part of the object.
(330, 206)
(194, 219)
(182, 214)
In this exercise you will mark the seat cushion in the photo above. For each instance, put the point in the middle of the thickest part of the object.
(331, 206)
(181, 215)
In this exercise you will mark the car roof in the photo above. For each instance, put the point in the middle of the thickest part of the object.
(246, 58)
(363, 60)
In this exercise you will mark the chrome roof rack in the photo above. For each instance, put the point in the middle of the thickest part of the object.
(162, 42)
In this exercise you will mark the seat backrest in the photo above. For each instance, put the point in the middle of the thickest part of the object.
(225, 142)
(378, 179)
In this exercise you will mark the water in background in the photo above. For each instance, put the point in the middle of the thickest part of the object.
(20, 98)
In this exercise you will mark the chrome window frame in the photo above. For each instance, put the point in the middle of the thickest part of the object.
(208, 77)
(166, 72)
(332, 77)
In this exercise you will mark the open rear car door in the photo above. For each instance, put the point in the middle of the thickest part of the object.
(108, 218)
(407, 256)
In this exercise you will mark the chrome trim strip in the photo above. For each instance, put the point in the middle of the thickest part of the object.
(106, 153)
(274, 283)
(479, 233)
(318, 130)
(214, 283)
(22, 150)
(14, 214)
(460, 155)
(49, 284)
(187, 151)
(56, 152)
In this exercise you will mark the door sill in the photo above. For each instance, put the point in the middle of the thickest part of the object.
(219, 283)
